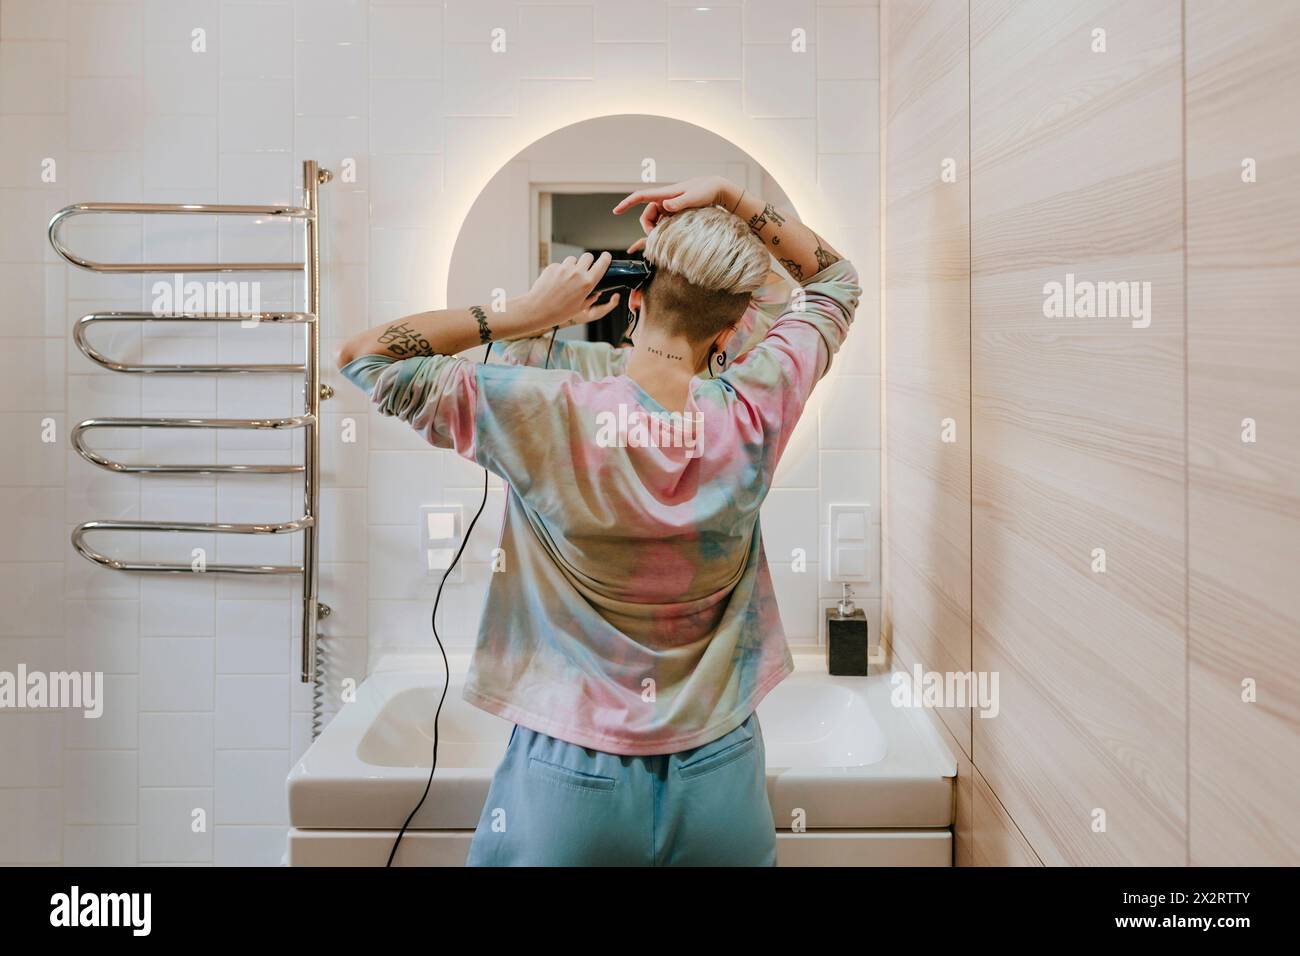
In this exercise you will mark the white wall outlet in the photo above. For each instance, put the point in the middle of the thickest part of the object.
(849, 544)
(440, 530)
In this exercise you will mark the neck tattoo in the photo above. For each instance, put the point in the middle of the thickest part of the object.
(662, 354)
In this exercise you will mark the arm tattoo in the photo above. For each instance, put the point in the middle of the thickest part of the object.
(761, 219)
(404, 341)
(792, 267)
(825, 257)
(484, 333)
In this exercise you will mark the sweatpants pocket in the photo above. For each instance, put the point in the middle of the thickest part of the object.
(718, 759)
(566, 777)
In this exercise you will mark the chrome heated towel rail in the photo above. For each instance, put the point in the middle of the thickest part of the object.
(308, 524)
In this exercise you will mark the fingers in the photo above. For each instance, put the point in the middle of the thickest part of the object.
(585, 260)
(684, 200)
(645, 195)
(597, 268)
(639, 244)
(649, 216)
(600, 311)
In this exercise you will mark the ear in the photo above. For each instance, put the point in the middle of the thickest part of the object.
(724, 338)
(635, 300)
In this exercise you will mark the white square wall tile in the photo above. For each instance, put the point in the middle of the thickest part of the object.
(848, 116)
(177, 605)
(252, 711)
(29, 142)
(479, 81)
(116, 727)
(330, 78)
(167, 825)
(704, 43)
(180, 152)
(775, 21)
(249, 846)
(849, 412)
(105, 40)
(398, 570)
(256, 40)
(100, 846)
(852, 183)
(256, 115)
(329, 20)
(106, 114)
(849, 478)
(32, 744)
(253, 637)
(848, 43)
(176, 750)
(406, 40)
(177, 77)
(400, 483)
(780, 81)
(631, 69)
(473, 21)
(789, 523)
(34, 19)
(343, 524)
(33, 77)
(796, 596)
(344, 450)
(631, 21)
(176, 674)
(100, 786)
(406, 190)
(250, 787)
(556, 42)
(33, 824)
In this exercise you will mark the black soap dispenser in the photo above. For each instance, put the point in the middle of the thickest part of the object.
(847, 650)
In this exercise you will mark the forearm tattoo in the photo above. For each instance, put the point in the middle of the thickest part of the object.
(484, 333)
(825, 257)
(792, 267)
(404, 341)
(761, 219)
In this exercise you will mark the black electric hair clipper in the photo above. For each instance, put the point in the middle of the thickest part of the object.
(624, 274)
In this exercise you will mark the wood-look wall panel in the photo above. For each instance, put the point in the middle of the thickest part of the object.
(1243, 283)
(995, 840)
(927, 343)
(1076, 167)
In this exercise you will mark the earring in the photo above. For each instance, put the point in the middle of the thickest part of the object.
(718, 357)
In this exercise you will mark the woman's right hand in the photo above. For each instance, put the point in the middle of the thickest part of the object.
(562, 294)
(688, 194)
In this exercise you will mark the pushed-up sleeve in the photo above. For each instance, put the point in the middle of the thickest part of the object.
(513, 420)
(775, 377)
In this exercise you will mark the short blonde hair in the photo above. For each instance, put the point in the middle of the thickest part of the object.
(707, 265)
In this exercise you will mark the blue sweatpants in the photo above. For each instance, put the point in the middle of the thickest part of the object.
(553, 803)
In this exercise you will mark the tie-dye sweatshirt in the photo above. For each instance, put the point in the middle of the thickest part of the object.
(634, 613)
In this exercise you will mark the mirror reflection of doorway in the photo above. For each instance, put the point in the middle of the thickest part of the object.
(555, 197)
(571, 223)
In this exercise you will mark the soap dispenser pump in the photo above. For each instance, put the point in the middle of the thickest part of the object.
(847, 650)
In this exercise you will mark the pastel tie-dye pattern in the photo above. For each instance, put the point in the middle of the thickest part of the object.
(636, 613)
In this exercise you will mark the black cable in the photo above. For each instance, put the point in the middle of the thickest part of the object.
(446, 667)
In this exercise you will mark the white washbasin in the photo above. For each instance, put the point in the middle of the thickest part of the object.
(808, 720)
(839, 755)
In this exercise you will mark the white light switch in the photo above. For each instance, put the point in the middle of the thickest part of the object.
(439, 538)
(850, 543)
